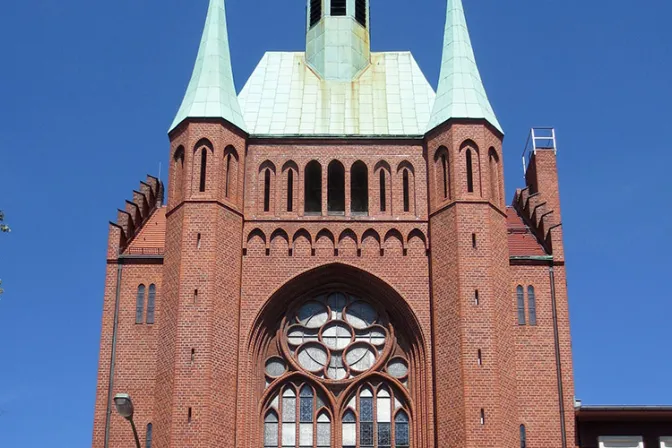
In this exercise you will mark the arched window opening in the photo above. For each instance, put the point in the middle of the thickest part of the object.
(140, 304)
(228, 175)
(523, 437)
(470, 172)
(532, 305)
(148, 436)
(338, 7)
(444, 167)
(323, 430)
(336, 188)
(402, 439)
(290, 190)
(359, 188)
(289, 416)
(520, 294)
(151, 304)
(382, 421)
(313, 188)
(271, 430)
(383, 192)
(315, 12)
(267, 190)
(360, 12)
(204, 169)
(494, 177)
(407, 196)
(178, 173)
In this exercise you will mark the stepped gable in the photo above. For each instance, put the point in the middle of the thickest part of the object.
(522, 242)
(535, 211)
(133, 219)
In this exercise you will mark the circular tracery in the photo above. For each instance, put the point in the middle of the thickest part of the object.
(336, 336)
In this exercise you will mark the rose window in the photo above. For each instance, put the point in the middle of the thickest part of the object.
(336, 337)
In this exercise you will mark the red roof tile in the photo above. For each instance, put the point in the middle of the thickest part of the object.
(152, 236)
(522, 242)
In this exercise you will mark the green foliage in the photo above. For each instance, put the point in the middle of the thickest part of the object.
(3, 227)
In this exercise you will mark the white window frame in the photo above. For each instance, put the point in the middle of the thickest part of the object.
(666, 442)
(621, 441)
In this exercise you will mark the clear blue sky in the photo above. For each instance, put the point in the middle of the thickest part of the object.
(88, 90)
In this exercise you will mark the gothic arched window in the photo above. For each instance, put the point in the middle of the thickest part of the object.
(334, 340)
(375, 417)
(336, 188)
(297, 416)
(140, 304)
(313, 188)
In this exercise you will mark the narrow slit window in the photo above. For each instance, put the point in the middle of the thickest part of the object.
(360, 12)
(470, 172)
(228, 175)
(532, 305)
(480, 357)
(336, 188)
(338, 7)
(198, 241)
(477, 299)
(482, 416)
(148, 436)
(444, 166)
(383, 192)
(189, 415)
(474, 243)
(315, 12)
(402, 436)
(520, 295)
(407, 196)
(195, 295)
(523, 437)
(313, 188)
(267, 190)
(204, 169)
(193, 355)
(359, 188)
(271, 430)
(151, 304)
(290, 191)
(140, 304)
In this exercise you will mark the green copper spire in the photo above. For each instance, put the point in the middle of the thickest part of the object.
(460, 93)
(211, 92)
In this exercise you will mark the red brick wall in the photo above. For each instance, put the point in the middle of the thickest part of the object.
(420, 264)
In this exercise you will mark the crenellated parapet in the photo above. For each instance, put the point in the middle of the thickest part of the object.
(146, 200)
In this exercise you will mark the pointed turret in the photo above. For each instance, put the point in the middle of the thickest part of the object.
(460, 93)
(211, 92)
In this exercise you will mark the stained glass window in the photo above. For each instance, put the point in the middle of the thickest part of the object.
(374, 423)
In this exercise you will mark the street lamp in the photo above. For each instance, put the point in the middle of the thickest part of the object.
(124, 407)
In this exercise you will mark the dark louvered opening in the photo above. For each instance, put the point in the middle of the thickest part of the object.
(360, 12)
(338, 7)
(315, 12)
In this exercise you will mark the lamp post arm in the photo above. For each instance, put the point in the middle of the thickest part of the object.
(135, 433)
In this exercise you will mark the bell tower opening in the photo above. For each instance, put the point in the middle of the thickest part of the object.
(338, 46)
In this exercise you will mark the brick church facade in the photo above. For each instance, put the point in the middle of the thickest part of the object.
(335, 263)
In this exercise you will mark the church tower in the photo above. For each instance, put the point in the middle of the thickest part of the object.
(469, 254)
(196, 375)
(335, 264)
